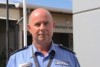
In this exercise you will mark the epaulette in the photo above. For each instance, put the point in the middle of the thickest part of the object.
(65, 48)
(19, 50)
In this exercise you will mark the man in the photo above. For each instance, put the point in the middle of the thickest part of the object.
(43, 52)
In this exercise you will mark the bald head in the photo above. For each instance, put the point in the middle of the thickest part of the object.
(40, 12)
(41, 26)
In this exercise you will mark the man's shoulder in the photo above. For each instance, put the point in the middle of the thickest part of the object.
(20, 50)
(65, 48)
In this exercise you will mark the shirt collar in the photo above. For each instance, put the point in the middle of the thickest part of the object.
(52, 47)
(33, 49)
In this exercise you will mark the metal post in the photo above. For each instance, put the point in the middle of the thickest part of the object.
(25, 23)
(7, 31)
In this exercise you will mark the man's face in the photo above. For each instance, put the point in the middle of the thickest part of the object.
(41, 28)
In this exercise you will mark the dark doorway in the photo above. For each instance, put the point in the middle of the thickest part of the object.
(29, 39)
(12, 41)
(66, 39)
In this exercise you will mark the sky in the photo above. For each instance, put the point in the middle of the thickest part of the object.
(65, 4)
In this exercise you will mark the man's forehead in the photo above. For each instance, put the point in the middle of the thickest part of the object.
(43, 21)
(36, 14)
(40, 13)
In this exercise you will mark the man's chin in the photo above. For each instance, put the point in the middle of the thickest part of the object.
(42, 39)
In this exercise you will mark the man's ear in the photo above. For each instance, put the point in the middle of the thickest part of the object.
(53, 24)
(29, 28)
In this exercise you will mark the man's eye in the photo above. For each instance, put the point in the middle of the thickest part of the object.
(37, 24)
(46, 23)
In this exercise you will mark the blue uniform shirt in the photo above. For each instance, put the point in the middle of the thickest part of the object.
(24, 57)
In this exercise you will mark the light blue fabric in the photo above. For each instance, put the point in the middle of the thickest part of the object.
(62, 58)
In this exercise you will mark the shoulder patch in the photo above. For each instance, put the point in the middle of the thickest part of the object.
(65, 48)
(19, 50)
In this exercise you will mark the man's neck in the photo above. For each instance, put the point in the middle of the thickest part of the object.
(43, 47)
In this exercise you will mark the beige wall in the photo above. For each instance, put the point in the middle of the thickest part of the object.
(63, 22)
(14, 14)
